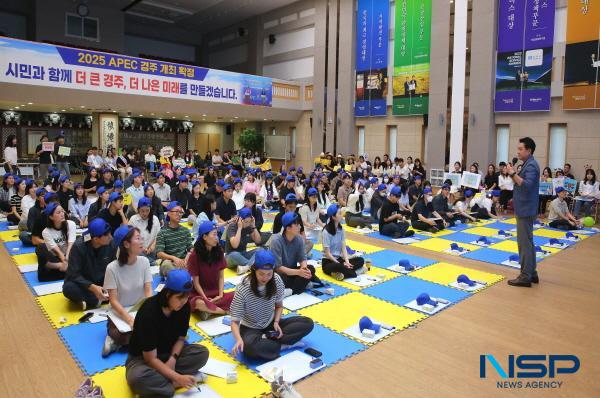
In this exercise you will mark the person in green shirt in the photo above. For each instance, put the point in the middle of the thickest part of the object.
(174, 242)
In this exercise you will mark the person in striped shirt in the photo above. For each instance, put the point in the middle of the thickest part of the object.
(174, 242)
(256, 308)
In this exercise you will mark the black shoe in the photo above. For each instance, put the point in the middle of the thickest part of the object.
(434, 230)
(535, 279)
(397, 235)
(520, 281)
(408, 234)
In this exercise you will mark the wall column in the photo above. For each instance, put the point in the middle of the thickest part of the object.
(345, 103)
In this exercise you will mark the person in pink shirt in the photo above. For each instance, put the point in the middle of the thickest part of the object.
(251, 185)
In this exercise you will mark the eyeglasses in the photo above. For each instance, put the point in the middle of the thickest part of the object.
(177, 212)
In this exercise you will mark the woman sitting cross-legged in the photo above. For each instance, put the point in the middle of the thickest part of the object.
(128, 280)
(335, 257)
(256, 309)
(206, 264)
(59, 236)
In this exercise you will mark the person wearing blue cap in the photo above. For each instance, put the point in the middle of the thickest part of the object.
(415, 190)
(256, 313)
(309, 212)
(211, 175)
(106, 180)
(485, 207)
(441, 206)
(559, 216)
(88, 260)
(181, 194)
(206, 265)
(268, 193)
(377, 200)
(289, 250)
(226, 209)
(424, 217)
(39, 219)
(14, 216)
(370, 191)
(239, 233)
(173, 242)
(391, 221)
(136, 190)
(149, 224)
(128, 281)
(463, 207)
(79, 206)
(160, 360)
(250, 203)
(336, 261)
(100, 204)
(114, 214)
(288, 188)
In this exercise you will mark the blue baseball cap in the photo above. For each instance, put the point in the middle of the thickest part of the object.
(98, 227)
(290, 178)
(118, 184)
(292, 168)
(40, 191)
(195, 182)
(173, 205)
(427, 190)
(136, 173)
(144, 202)
(396, 191)
(283, 173)
(300, 169)
(50, 196)
(381, 187)
(179, 280)
(106, 170)
(264, 259)
(424, 298)
(101, 190)
(404, 263)
(446, 186)
(374, 180)
(289, 218)
(559, 190)
(120, 234)
(468, 193)
(237, 181)
(206, 227)
(290, 197)
(115, 196)
(235, 173)
(268, 175)
(495, 193)
(245, 213)
(54, 174)
(50, 207)
(226, 187)
(221, 183)
(6, 175)
(366, 323)
(63, 179)
(312, 192)
(182, 178)
(332, 210)
(418, 177)
(18, 180)
(229, 167)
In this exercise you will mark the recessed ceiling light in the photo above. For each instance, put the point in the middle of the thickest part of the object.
(63, 110)
(186, 116)
(235, 117)
(203, 119)
(10, 109)
(16, 107)
(141, 115)
(245, 120)
(82, 106)
(168, 112)
(204, 115)
(71, 108)
(152, 114)
(172, 117)
(23, 105)
(30, 103)
(265, 120)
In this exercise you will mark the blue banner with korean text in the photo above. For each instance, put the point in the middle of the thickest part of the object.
(372, 41)
(32, 63)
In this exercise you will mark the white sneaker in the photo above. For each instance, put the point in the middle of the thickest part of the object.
(310, 285)
(282, 389)
(287, 292)
(109, 346)
(242, 269)
(83, 306)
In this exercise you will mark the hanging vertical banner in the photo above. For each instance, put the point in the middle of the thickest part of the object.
(372, 57)
(524, 59)
(412, 44)
(582, 55)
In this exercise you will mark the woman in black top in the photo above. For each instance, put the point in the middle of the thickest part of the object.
(65, 193)
(100, 204)
(14, 217)
(491, 178)
(195, 201)
(418, 169)
(159, 359)
(90, 184)
(211, 177)
(423, 211)
(157, 207)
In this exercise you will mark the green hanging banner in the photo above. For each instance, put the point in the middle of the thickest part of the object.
(412, 44)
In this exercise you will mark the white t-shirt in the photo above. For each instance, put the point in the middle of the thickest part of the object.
(505, 183)
(404, 172)
(10, 154)
(54, 238)
(150, 158)
(128, 279)
(162, 192)
(141, 224)
(26, 204)
(238, 198)
(217, 160)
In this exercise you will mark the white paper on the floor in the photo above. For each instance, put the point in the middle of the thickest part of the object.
(479, 243)
(361, 231)
(455, 252)
(120, 323)
(214, 326)
(100, 314)
(218, 368)
(560, 245)
(405, 241)
(354, 331)
(465, 287)
(314, 263)
(502, 237)
(28, 268)
(155, 269)
(363, 280)
(511, 264)
(397, 268)
(583, 232)
(202, 391)
(235, 280)
(49, 288)
(297, 301)
(295, 366)
(413, 305)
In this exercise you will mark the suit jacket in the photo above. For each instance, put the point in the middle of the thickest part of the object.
(526, 195)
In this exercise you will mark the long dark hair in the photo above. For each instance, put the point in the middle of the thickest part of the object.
(593, 173)
(9, 141)
(271, 286)
(206, 209)
(83, 196)
(123, 252)
(211, 257)
(330, 227)
(64, 226)
(4, 182)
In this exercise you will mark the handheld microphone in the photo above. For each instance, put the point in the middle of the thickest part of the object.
(514, 161)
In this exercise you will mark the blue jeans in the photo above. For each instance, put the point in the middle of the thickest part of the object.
(238, 258)
(64, 166)
(587, 207)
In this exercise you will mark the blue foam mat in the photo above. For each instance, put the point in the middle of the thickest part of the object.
(316, 255)
(32, 279)
(386, 258)
(377, 235)
(334, 346)
(85, 341)
(466, 237)
(460, 227)
(18, 245)
(488, 255)
(500, 225)
(405, 289)
(4, 226)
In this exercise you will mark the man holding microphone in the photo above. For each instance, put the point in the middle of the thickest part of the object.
(525, 202)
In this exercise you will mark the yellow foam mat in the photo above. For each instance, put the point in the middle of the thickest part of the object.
(10, 236)
(482, 231)
(344, 311)
(24, 259)
(441, 245)
(267, 227)
(443, 232)
(550, 233)
(507, 246)
(511, 220)
(374, 271)
(114, 384)
(356, 246)
(56, 306)
(445, 273)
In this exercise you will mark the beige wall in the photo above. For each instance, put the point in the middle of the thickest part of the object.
(583, 137)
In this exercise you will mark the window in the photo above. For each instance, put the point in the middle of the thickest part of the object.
(557, 146)
(361, 140)
(392, 139)
(82, 27)
(502, 138)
